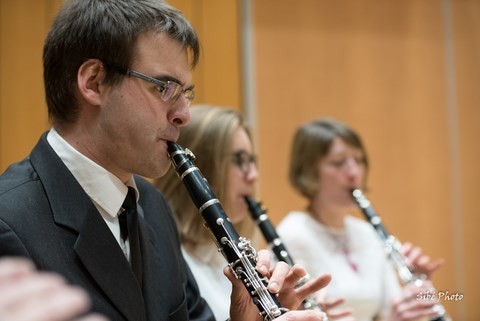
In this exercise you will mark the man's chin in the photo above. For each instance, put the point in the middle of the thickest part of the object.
(155, 173)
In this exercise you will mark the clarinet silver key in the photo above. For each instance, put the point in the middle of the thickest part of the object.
(237, 250)
(392, 248)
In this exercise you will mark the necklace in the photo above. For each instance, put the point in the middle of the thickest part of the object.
(340, 240)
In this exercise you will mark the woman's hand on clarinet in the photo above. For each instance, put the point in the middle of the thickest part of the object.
(282, 281)
(331, 307)
(420, 262)
(414, 303)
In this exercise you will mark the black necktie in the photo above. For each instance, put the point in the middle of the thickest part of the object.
(128, 220)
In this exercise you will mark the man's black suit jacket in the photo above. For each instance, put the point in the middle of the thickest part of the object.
(45, 215)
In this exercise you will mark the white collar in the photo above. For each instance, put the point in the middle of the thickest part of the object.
(104, 188)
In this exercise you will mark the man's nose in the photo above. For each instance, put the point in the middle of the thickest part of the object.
(181, 113)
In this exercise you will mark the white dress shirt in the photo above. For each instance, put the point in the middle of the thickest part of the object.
(105, 189)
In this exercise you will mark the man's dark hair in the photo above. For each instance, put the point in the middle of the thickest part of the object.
(106, 30)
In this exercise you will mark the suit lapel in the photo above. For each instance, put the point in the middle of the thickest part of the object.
(163, 268)
(96, 247)
(107, 264)
(150, 263)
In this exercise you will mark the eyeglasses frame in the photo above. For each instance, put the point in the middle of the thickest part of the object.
(252, 159)
(188, 93)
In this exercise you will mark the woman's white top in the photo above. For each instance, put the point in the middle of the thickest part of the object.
(361, 273)
(207, 266)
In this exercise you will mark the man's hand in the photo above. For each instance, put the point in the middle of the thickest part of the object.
(282, 281)
(29, 295)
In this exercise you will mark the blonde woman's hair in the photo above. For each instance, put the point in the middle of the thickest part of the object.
(209, 135)
(311, 143)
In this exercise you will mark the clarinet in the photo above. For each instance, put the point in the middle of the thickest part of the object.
(260, 216)
(392, 246)
(239, 253)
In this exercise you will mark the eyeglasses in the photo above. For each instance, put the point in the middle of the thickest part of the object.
(169, 90)
(244, 161)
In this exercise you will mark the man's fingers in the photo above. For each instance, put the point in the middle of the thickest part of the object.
(12, 268)
(264, 258)
(278, 277)
(314, 285)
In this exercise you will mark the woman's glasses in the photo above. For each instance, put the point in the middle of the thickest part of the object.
(244, 161)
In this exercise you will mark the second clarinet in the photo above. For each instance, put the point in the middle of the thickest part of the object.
(260, 216)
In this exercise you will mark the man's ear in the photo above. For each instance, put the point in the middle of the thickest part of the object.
(90, 76)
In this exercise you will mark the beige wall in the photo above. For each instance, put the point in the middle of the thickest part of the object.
(23, 26)
(405, 75)
(218, 76)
